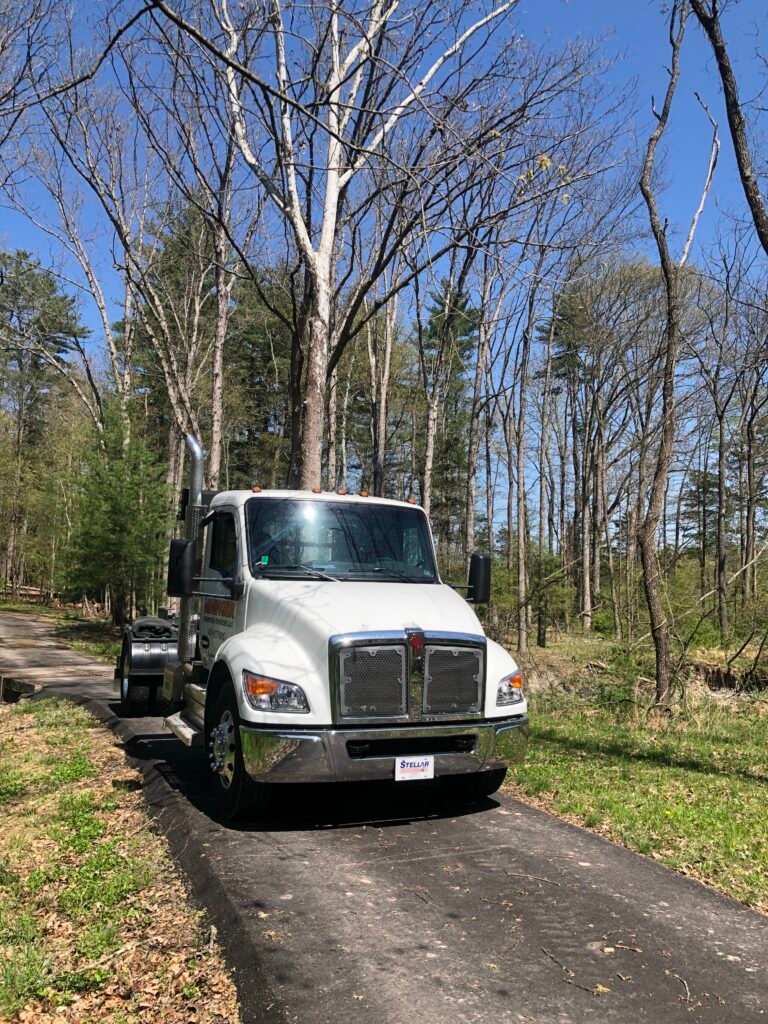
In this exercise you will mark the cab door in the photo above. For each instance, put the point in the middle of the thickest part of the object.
(221, 613)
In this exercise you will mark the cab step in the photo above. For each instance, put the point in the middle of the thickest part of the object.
(189, 734)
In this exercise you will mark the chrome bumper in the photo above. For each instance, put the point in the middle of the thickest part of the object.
(322, 755)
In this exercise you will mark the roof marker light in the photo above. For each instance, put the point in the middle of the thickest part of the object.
(317, 490)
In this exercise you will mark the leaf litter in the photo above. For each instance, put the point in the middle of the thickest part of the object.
(95, 922)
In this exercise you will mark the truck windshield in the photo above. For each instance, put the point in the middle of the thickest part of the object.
(305, 539)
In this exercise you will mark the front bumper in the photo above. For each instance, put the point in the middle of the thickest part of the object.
(351, 755)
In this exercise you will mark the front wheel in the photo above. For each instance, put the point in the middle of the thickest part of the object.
(475, 786)
(237, 795)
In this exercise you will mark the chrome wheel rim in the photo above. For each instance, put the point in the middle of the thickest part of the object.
(223, 749)
(124, 687)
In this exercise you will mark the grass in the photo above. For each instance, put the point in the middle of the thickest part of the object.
(95, 637)
(689, 791)
(94, 924)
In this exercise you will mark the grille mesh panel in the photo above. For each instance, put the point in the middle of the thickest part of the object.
(373, 682)
(453, 680)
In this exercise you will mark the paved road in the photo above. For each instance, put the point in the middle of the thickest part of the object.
(392, 906)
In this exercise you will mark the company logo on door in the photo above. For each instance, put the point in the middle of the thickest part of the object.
(218, 610)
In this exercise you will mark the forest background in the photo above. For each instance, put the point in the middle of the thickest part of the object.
(429, 251)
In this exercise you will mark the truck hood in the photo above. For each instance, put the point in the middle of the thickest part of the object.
(316, 610)
(288, 624)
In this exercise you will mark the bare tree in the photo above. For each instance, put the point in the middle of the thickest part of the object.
(378, 106)
(647, 533)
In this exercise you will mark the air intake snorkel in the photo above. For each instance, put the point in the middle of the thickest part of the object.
(194, 516)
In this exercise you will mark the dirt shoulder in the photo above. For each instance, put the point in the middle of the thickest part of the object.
(95, 922)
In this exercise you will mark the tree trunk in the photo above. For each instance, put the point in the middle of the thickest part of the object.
(223, 298)
(523, 608)
(749, 575)
(722, 593)
(586, 552)
(380, 369)
(429, 455)
(473, 453)
(344, 417)
(647, 533)
(598, 524)
(332, 389)
(489, 484)
(175, 473)
(542, 609)
(522, 565)
(311, 439)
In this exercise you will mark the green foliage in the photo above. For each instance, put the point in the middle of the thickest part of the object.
(551, 595)
(449, 342)
(257, 370)
(122, 521)
(39, 420)
(602, 622)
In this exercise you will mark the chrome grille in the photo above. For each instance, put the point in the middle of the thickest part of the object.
(453, 680)
(373, 681)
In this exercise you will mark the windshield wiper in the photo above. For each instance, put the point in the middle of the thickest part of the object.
(380, 570)
(316, 573)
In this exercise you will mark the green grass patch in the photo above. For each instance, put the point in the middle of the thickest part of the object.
(690, 791)
(21, 607)
(102, 881)
(79, 870)
(24, 975)
(12, 785)
(56, 714)
(70, 769)
(92, 916)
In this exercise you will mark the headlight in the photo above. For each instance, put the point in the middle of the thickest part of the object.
(510, 690)
(274, 695)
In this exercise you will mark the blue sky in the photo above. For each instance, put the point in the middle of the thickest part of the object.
(635, 33)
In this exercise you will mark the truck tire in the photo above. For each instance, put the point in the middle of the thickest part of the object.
(137, 694)
(475, 786)
(237, 795)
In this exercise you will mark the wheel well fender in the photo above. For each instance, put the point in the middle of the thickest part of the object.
(217, 680)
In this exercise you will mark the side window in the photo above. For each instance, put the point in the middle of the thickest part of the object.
(224, 545)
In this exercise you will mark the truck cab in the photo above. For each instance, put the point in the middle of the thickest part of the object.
(326, 648)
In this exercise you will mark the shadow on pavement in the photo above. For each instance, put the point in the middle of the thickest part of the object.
(297, 808)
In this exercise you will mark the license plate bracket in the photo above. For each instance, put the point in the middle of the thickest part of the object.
(413, 768)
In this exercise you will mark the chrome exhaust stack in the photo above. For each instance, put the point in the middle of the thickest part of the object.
(194, 516)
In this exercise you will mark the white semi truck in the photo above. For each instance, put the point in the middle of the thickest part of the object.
(317, 643)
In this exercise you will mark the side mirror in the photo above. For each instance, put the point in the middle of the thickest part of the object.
(236, 586)
(181, 568)
(479, 582)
